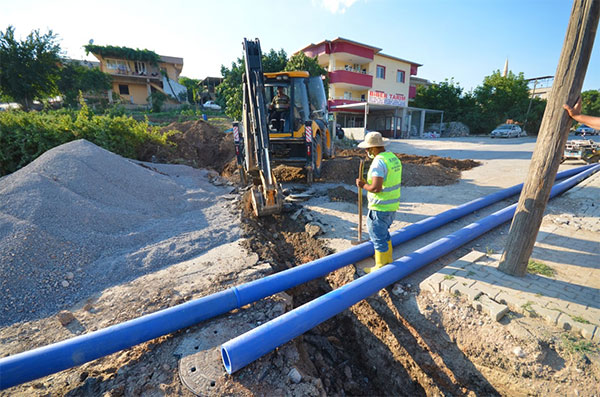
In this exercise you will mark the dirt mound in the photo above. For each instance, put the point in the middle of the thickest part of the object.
(447, 162)
(416, 170)
(195, 143)
(342, 194)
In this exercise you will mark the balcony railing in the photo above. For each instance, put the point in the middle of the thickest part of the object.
(360, 71)
(349, 99)
(352, 78)
(153, 74)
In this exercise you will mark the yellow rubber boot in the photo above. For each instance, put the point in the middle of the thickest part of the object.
(379, 262)
(388, 255)
(382, 258)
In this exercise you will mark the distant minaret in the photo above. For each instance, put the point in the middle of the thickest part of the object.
(505, 73)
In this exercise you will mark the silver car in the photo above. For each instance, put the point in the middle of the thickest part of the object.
(506, 131)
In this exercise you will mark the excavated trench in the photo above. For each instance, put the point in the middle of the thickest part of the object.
(372, 348)
(380, 346)
(330, 350)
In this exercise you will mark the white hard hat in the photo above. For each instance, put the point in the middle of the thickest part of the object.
(373, 139)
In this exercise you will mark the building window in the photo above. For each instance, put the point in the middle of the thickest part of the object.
(347, 95)
(123, 89)
(400, 76)
(380, 72)
(140, 68)
(119, 66)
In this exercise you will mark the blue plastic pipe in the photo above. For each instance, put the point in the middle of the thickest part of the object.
(33, 364)
(250, 346)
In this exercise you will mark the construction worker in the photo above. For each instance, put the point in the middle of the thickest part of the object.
(383, 193)
(279, 106)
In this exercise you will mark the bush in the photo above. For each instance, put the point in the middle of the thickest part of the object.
(25, 136)
(157, 99)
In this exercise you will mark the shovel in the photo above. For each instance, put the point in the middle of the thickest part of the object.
(360, 206)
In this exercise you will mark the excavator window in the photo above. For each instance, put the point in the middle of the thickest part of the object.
(278, 115)
(301, 110)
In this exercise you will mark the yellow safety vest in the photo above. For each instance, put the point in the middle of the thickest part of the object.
(389, 198)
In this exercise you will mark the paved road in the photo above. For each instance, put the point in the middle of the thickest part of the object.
(505, 162)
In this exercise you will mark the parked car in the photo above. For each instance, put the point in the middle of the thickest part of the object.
(211, 105)
(506, 131)
(584, 129)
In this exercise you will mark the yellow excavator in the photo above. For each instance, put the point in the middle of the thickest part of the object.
(296, 134)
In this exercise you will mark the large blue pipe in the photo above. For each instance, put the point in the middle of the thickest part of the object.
(33, 364)
(250, 346)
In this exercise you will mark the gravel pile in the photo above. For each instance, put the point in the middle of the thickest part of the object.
(80, 219)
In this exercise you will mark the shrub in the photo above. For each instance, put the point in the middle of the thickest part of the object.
(24, 136)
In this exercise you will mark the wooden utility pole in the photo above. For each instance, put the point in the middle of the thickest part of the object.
(552, 136)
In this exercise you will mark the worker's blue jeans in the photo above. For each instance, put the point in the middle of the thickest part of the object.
(378, 225)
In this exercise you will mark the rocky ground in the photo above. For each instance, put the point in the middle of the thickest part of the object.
(401, 341)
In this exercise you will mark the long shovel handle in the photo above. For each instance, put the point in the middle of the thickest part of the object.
(360, 196)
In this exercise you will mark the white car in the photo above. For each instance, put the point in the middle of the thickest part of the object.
(211, 105)
(506, 131)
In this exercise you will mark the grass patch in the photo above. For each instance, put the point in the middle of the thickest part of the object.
(534, 267)
(580, 319)
(576, 345)
(527, 308)
(448, 277)
(489, 251)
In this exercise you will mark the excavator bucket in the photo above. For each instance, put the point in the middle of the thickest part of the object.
(267, 199)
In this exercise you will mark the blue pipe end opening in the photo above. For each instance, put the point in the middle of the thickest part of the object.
(226, 360)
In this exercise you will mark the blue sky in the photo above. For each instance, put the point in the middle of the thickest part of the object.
(461, 39)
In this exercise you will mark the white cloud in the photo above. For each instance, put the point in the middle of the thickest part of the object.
(336, 6)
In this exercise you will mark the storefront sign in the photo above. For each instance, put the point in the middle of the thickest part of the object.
(382, 98)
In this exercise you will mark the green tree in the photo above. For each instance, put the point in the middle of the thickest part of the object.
(300, 61)
(229, 92)
(446, 95)
(274, 61)
(500, 98)
(535, 115)
(590, 102)
(74, 78)
(157, 99)
(29, 68)
(193, 89)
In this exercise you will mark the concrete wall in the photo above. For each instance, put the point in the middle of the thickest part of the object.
(389, 84)
(358, 134)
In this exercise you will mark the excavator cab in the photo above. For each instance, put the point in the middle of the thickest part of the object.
(307, 111)
(289, 119)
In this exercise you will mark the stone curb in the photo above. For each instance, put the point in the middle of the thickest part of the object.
(481, 284)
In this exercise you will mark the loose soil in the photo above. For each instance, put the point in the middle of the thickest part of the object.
(195, 143)
(416, 170)
(400, 341)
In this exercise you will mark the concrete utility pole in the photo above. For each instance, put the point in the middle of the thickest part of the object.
(552, 137)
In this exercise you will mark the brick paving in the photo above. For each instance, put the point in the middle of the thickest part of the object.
(568, 242)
